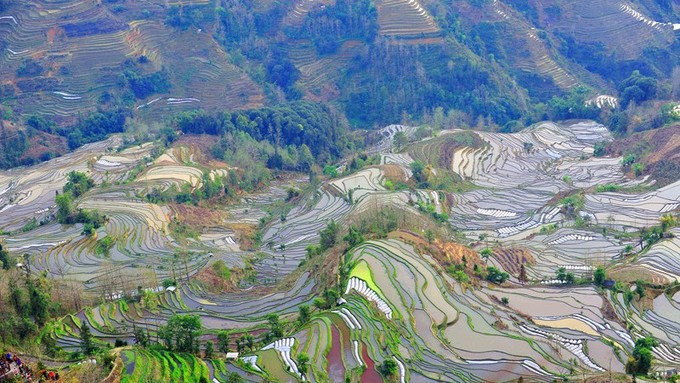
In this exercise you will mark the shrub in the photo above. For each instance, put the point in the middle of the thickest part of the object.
(638, 168)
(104, 245)
(221, 269)
(330, 171)
(607, 188)
(496, 276)
(30, 68)
(563, 275)
(599, 149)
(599, 276)
(641, 360)
(628, 159)
(388, 368)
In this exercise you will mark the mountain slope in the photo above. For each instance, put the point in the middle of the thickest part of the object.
(376, 60)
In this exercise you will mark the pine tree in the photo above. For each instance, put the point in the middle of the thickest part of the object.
(223, 341)
(86, 343)
(209, 349)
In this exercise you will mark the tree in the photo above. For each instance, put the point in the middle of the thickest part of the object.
(64, 207)
(247, 340)
(209, 349)
(599, 276)
(78, 183)
(223, 341)
(329, 235)
(563, 275)
(522, 274)
(149, 300)
(354, 236)
(628, 296)
(640, 289)
(641, 360)
(418, 170)
(331, 297)
(637, 88)
(486, 253)
(304, 314)
(303, 363)
(17, 299)
(5, 260)
(181, 332)
(320, 303)
(235, 378)
(496, 276)
(388, 368)
(400, 139)
(86, 342)
(429, 235)
(638, 169)
(141, 337)
(667, 221)
(275, 326)
(39, 298)
(330, 171)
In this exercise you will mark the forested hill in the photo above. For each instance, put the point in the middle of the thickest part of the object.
(483, 62)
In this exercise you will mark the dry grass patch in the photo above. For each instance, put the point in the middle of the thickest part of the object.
(393, 173)
(511, 259)
(444, 252)
(198, 217)
(632, 273)
(198, 146)
(453, 253)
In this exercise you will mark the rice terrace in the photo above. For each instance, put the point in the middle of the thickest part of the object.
(331, 190)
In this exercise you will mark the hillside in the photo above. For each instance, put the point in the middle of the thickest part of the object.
(375, 60)
(658, 150)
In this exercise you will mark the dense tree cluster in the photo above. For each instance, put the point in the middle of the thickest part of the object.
(406, 80)
(299, 124)
(143, 86)
(6, 261)
(26, 303)
(637, 88)
(95, 127)
(641, 360)
(330, 25)
(78, 183)
(13, 145)
(572, 105)
(185, 16)
(181, 333)
(30, 68)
